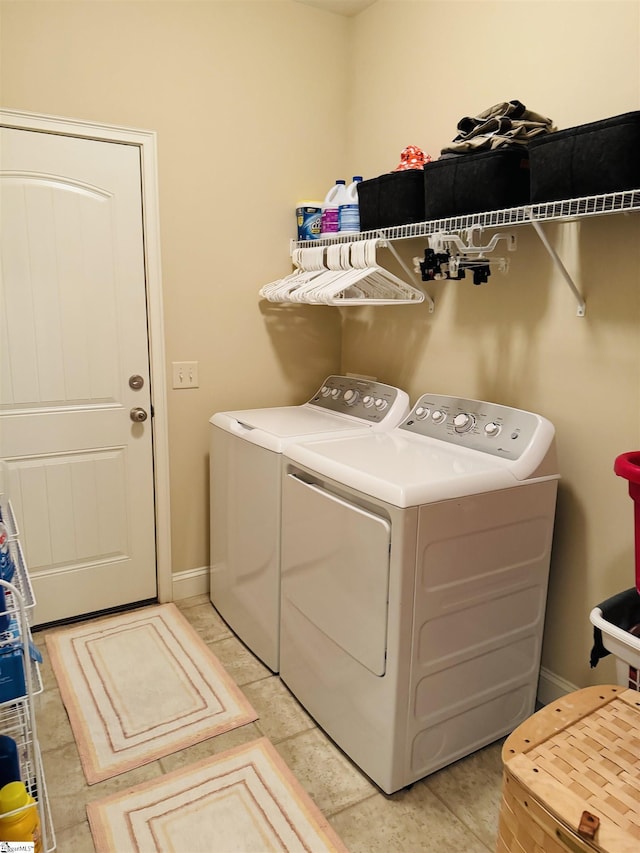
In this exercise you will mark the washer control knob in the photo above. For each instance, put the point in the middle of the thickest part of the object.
(381, 404)
(367, 401)
(335, 393)
(463, 422)
(351, 397)
(422, 412)
(325, 390)
(492, 429)
(439, 416)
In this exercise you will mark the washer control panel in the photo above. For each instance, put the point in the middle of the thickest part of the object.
(488, 427)
(360, 398)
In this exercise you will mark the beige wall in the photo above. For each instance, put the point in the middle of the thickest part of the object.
(517, 340)
(226, 86)
(246, 126)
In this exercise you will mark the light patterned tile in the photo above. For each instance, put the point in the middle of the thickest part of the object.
(280, 715)
(206, 621)
(239, 662)
(68, 790)
(324, 771)
(472, 789)
(411, 821)
(75, 839)
(54, 729)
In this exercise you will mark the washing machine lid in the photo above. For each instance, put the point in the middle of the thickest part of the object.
(342, 405)
(403, 469)
(278, 427)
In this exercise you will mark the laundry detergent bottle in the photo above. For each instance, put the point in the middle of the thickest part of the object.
(19, 819)
(9, 762)
(349, 212)
(336, 196)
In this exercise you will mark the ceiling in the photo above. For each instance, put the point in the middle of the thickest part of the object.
(341, 7)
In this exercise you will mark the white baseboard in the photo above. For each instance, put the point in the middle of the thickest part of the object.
(191, 582)
(551, 687)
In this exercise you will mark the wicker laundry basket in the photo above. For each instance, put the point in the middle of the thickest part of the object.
(571, 780)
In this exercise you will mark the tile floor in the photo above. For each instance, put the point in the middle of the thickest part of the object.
(452, 811)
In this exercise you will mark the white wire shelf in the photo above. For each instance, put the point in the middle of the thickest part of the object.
(17, 712)
(565, 210)
(627, 201)
(15, 722)
(21, 581)
(7, 516)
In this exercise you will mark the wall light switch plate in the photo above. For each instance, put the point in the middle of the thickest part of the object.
(185, 374)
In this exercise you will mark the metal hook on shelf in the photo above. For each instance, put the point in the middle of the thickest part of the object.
(444, 266)
(441, 241)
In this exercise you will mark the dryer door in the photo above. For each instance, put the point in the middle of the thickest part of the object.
(335, 569)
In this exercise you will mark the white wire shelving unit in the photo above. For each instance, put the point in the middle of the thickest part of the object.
(535, 215)
(17, 714)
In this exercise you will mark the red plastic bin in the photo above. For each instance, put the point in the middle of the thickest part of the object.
(627, 465)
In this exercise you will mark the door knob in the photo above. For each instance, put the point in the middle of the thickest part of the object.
(136, 382)
(138, 415)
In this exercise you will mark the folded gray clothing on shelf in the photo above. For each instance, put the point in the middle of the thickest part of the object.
(502, 125)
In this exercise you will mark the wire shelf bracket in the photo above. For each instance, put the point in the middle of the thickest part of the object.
(384, 243)
(582, 308)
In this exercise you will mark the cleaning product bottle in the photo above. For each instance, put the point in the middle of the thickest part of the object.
(308, 217)
(330, 208)
(349, 212)
(9, 763)
(7, 566)
(19, 819)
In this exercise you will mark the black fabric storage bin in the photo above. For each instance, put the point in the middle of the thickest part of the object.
(396, 198)
(591, 159)
(473, 183)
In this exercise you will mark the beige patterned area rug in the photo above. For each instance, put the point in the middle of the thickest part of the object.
(139, 686)
(245, 800)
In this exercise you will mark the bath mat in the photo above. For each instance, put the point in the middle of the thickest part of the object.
(244, 800)
(139, 686)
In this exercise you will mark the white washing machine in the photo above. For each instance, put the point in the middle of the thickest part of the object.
(414, 579)
(245, 492)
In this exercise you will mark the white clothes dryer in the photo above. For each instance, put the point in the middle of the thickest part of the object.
(415, 565)
(245, 494)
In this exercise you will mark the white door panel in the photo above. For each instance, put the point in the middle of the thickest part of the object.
(335, 569)
(74, 329)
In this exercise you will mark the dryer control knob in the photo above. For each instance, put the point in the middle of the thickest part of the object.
(463, 422)
(335, 393)
(367, 401)
(439, 416)
(422, 412)
(492, 429)
(351, 397)
(381, 404)
(325, 390)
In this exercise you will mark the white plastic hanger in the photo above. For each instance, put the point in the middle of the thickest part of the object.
(350, 275)
(309, 263)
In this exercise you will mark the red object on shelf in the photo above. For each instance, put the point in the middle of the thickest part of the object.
(627, 465)
(412, 157)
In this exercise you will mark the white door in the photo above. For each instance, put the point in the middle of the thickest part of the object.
(335, 572)
(73, 333)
